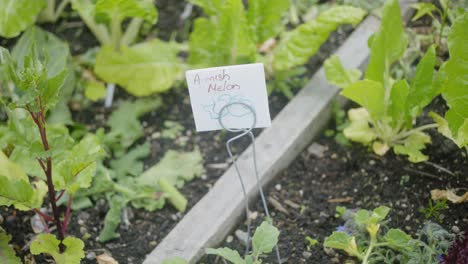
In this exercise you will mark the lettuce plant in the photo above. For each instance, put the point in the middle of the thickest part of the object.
(17, 15)
(365, 236)
(452, 80)
(223, 38)
(389, 106)
(264, 240)
(37, 158)
(141, 69)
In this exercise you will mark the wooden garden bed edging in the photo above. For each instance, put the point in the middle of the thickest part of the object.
(218, 212)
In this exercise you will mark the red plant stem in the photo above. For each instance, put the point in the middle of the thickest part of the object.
(60, 195)
(40, 122)
(67, 215)
(43, 215)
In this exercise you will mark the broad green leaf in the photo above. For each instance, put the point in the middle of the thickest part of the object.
(338, 75)
(423, 9)
(388, 43)
(398, 104)
(175, 260)
(369, 94)
(211, 7)
(7, 253)
(48, 244)
(121, 9)
(412, 146)
(17, 15)
(343, 241)
(175, 167)
(112, 219)
(226, 253)
(397, 238)
(95, 90)
(131, 164)
(264, 239)
(380, 213)
(422, 90)
(15, 188)
(296, 47)
(443, 128)
(358, 129)
(454, 78)
(224, 40)
(264, 17)
(142, 69)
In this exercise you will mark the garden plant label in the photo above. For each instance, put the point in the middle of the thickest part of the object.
(230, 94)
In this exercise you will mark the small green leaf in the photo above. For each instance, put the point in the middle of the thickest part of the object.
(380, 213)
(443, 127)
(338, 75)
(226, 253)
(264, 239)
(142, 69)
(48, 244)
(423, 9)
(7, 254)
(112, 219)
(95, 90)
(296, 47)
(397, 238)
(412, 146)
(338, 240)
(369, 94)
(17, 15)
(358, 129)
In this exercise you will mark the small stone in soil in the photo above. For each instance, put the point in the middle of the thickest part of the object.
(316, 150)
(278, 187)
(153, 243)
(455, 229)
(306, 254)
(229, 239)
(91, 256)
(37, 225)
(241, 236)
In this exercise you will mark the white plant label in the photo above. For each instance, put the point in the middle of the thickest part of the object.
(229, 93)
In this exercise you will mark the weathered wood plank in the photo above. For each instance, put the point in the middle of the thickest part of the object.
(217, 213)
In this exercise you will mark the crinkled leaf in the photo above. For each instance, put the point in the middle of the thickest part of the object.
(358, 129)
(175, 167)
(142, 69)
(369, 94)
(17, 15)
(15, 188)
(130, 164)
(422, 90)
(264, 239)
(423, 9)
(227, 253)
(222, 40)
(112, 219)
(49, 244)
(7, 253)
(396, 238)
(338, 75)
(121, 9)
(412, 146)
(388, 43)
(454, 78)
(264, 17)
(296, 47)
(443, 127)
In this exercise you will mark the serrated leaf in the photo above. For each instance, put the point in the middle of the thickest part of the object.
(423, 9)
(338, 75)
(358, 129)
(396, 238)
(121, 9)
(7, 254)
(422, 90)
(226, 253)
(296, 47)
(142, 69)
(369, 94)
(264, 17)
(112, 219)
(175, 167)
(412, 146)
(224, 39)
(380, 213)
(48, 244)
(17, 15)
(338, 240)
(388, 43)
(264, 239)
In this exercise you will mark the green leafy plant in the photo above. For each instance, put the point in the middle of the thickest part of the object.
(237, 38)
(366, 237)
(53, 11)
(389, 107)
(451, 80)
(17, 15)
(45, 152)
(264, 240)
(141, 69)
(7, 253)
(434, 209)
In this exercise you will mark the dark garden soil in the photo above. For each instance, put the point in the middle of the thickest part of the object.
(308, 192)
(146, 229)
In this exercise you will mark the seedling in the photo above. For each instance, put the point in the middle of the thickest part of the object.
(434, 209)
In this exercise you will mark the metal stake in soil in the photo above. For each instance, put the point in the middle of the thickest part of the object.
(242, 133)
